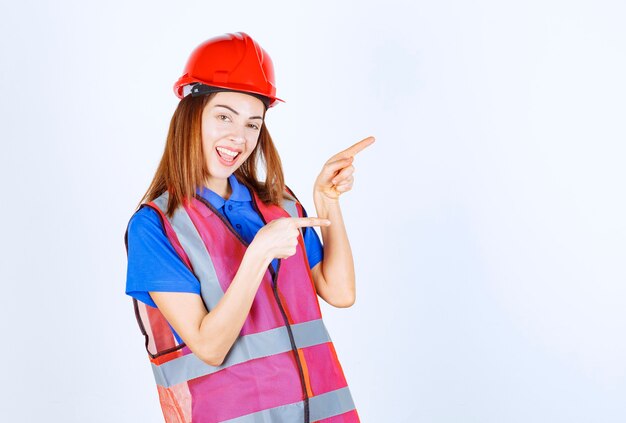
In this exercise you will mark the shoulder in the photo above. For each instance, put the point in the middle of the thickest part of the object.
(144, 221)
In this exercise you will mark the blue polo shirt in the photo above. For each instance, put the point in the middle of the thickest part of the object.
(154, 265)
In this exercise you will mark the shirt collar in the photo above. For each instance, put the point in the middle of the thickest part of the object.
(239, 193)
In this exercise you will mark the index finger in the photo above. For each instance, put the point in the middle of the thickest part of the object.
(302, 222)
(356, 148)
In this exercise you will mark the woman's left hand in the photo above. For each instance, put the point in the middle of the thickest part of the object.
(336, 176)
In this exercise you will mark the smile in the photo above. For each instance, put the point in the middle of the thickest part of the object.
(226, 154)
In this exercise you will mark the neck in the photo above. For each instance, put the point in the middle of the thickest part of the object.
(220, 186)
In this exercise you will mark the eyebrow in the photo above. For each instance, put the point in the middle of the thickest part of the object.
(236, 112)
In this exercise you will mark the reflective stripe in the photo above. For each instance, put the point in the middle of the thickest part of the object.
(321, 406)
(245, 348)
(290, 207)
(195, 249)
(330, 404)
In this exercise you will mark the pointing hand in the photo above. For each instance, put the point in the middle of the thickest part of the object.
(279, 238)
(336, 176)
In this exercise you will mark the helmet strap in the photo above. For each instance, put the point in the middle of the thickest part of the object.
(198, 89)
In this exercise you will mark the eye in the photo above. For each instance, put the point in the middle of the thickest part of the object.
(223, 118)
(254, 126)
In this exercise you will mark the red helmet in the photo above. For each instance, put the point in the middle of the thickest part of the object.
(233, 62)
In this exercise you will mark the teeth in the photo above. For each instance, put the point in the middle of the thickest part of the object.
(227, 152)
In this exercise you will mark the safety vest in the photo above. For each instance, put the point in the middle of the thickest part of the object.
(282, 367)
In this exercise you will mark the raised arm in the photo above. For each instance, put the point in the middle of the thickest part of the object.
(334, 275)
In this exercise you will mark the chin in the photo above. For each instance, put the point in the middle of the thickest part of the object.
(221, 173)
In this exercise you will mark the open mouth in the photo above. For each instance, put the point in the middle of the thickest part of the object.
(226, 154)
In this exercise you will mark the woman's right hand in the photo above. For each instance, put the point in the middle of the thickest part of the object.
(279, 238)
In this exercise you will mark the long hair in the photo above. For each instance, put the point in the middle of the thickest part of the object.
(183, 168)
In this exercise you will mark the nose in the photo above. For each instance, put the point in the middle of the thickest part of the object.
(238, 136)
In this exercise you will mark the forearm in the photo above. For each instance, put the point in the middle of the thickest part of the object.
(338, 264)
(220, 328)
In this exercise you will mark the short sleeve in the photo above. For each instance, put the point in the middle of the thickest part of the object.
(312, 244)
(153, 264)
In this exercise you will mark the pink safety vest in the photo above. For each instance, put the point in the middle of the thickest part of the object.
(282, 367)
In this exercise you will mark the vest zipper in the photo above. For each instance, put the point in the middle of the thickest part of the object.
(294, 348)
(274, 274)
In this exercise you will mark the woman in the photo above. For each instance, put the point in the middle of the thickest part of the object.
(225, 269)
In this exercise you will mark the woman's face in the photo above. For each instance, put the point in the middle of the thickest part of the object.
(231, 124)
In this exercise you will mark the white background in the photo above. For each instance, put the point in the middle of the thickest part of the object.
(487, 221)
